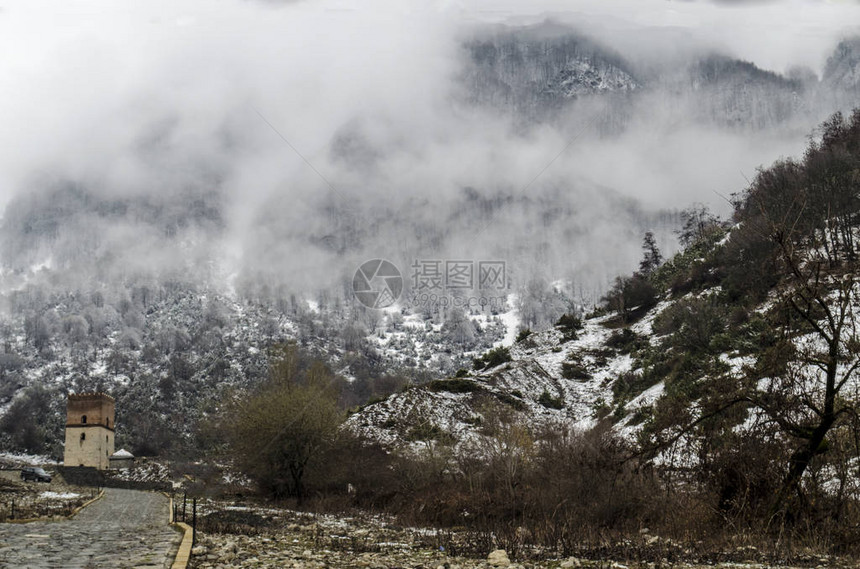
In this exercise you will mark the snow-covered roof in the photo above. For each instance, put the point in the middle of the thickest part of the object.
(122, 453)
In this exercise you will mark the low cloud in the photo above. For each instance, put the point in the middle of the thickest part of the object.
(331, 131)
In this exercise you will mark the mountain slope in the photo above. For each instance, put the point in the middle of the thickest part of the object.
(753, 340)
(534, 70)
(555, 376)
(541, 72)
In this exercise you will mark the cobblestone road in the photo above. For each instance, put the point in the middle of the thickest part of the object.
(125, 529)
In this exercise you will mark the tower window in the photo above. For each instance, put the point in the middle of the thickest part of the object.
(83, 437)
(107, 421)
(106, 438)
(83, 419)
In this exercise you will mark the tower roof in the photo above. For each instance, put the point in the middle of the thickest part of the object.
(89, 395)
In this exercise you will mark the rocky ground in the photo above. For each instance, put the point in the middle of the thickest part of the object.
(262, 538)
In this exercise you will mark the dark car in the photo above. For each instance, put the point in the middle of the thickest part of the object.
(35, 473)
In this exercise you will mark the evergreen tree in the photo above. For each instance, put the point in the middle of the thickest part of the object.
(651, 258)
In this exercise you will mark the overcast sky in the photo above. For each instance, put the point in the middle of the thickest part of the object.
(83, 83)
(140, 96)
(70, 71)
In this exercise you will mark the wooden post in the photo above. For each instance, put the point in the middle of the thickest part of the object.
(194, 522)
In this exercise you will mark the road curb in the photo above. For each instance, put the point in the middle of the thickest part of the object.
(29, 520)
(77, 510)
(183, 555)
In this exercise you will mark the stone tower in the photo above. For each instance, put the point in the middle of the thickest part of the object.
(89, 430)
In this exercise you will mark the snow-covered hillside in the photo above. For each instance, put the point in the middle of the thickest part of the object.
(556, 376)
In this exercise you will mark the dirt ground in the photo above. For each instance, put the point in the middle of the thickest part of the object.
(246, 535)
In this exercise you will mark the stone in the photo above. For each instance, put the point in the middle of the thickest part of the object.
(125, 528)
(498, 558)
(570, 562)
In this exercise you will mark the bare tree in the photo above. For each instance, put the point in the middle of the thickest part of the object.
(806, 401)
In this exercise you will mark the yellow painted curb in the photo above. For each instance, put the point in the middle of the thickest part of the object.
(51, 519)
(169, 506)
(184, 553)
(85, 504)
(28, 520)
(183, 556)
